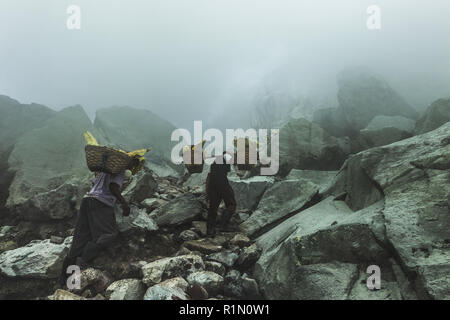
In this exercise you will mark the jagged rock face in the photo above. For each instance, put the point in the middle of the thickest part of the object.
(178, 211)
(305, 145)
(363, 95)
(399, 194)
(131, 128)
(278, 202)
(37, 260)
(436, 115)
(16, 119)
(45, 158)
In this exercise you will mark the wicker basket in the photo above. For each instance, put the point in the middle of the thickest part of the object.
(106, 159)
(192, 168)
(247, 166)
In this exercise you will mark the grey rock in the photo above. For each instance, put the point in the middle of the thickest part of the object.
(142, 186)
(247, 192)
(38, 259)
(216, 267)
(328, 281)
(138, 220)
(187, 235)
(240, 286)
(240, 240)
(249, 256)
(179, 266)
(326, 233)
(227, 257)
(126, 289)
(209, 280)
(65, 295)
(178, 211)
(399, 194)
(153, 203)
(168, 290)
(278, 202)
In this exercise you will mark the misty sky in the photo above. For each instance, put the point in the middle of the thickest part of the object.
(207, 59)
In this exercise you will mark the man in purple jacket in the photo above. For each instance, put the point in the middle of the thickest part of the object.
(96, 227)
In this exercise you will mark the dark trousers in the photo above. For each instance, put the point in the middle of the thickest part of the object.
(217, 193)
(96, 229)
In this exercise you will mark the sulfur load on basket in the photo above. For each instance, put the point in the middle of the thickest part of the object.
(188, 157)
(249, 145)
(110, 160)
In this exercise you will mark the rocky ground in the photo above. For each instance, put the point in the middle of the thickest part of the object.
(309, 235)
(366, 183)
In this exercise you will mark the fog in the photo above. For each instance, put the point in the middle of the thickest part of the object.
(209, 60)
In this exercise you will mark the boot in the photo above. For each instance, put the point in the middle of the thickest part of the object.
(211, 228)
(225, 220)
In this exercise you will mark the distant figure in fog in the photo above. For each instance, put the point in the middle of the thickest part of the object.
(217, 189)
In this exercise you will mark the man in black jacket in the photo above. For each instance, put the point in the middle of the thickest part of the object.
(217, 189)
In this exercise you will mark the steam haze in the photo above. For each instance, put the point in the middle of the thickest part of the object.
(208, 59)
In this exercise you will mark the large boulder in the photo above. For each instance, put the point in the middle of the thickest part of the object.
(247, 192)
(178, 211)
(413, 176)
(39, 259)
(45, 158)
(392, 212)
(305, 145)
(279, 201)
(313, 244)
(436, 115)
(57, 204)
